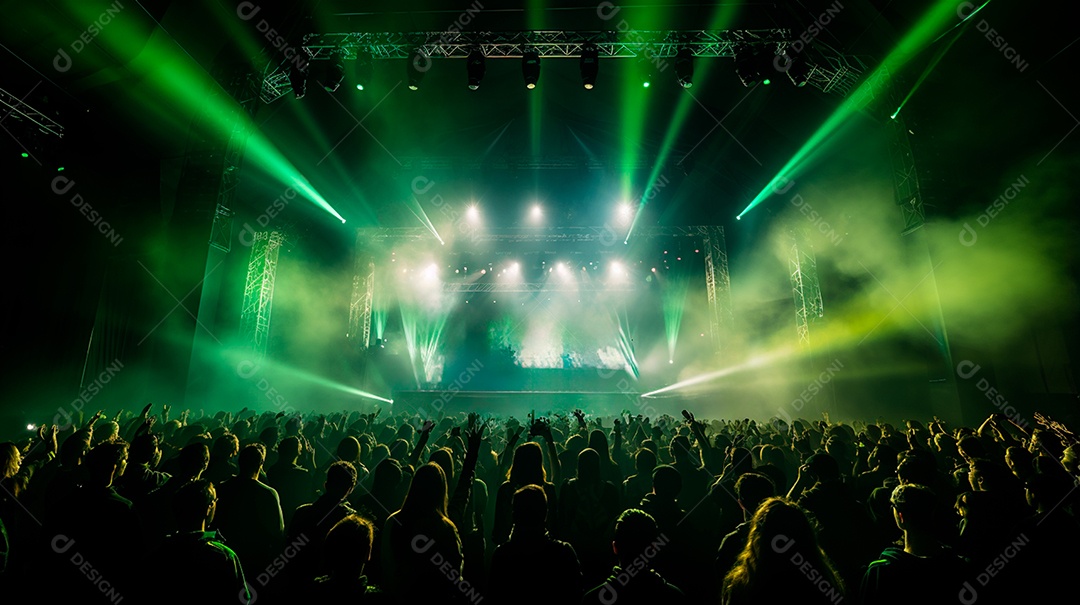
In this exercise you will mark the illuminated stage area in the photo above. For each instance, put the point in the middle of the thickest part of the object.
(541, 308)
(752, 210)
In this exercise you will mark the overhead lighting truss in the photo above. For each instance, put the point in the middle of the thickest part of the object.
(832, 73)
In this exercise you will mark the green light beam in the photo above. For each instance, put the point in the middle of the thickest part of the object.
(926, 72)
(914, 41)
(673, 299)
(172, 82)
(723, 17)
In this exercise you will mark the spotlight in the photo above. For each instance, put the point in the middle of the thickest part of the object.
(536, 213)
(747, 67)
(298, 81)
(798, 70)
(472, 213)
(626, 212)
(363, 72)
(645, 69)
(333, 72)
(590, 65)
(418, 65)
(684, 67)
(432, 272)
(476, 67)
(530, 68)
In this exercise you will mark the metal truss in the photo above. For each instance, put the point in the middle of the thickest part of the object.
(906, 177)
(243, 89)
(602, 235)
(221, 229)
(717, 285)
(831, 72)
(717, 277)
(537, 287)
(259, 290)
(805, 286)
(362, 301)
(510, 162)
(21, 110)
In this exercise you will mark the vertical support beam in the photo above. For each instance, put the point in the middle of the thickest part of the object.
(221, 229)
(717, 285)
(906, 177)
(362, 301)
(805, 286)
(259, 291)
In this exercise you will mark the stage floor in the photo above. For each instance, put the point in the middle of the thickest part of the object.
(520, 403)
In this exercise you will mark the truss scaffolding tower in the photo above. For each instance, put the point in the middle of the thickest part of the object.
(826, 69)
(362, 301)
(259, 291)
(805, 286)
(717, 285)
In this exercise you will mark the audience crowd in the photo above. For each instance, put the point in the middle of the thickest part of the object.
(378, 508)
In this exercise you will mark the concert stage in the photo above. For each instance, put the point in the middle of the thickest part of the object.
(520, 403)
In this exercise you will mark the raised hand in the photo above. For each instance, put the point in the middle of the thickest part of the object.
(428, 425)
(512, 434)
(474, 434)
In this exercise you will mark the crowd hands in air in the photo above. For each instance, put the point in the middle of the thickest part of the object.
(351, 507)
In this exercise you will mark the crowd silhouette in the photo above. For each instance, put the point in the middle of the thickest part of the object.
(371, 508)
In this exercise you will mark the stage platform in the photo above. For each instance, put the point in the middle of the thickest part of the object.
(520, 403)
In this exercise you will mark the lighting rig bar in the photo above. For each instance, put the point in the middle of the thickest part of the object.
(23, 111)
(370, 235)
(830, 71)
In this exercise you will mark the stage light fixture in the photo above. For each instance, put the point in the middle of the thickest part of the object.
(747, 67)
(537, 212)
(363, 72)
(476, 67)
(333, 72)
(798, 70)
(590, 65)
(530, 68)
(646, 69)
(418, 65)
(298, 81)
(684, 67)
(472, 213)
